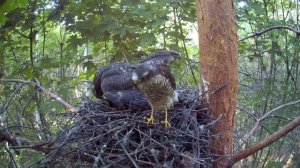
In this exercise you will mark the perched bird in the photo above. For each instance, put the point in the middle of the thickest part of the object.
(113, 82)
(147, 84)
(154, 78)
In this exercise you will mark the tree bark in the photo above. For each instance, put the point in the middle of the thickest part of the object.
(218, 67)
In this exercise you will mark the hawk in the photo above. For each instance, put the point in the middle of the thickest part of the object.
(147, 84)
(155, 79)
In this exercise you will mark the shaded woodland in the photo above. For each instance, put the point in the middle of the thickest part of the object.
(50, 51)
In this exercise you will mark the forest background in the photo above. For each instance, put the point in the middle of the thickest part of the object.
(62, 43)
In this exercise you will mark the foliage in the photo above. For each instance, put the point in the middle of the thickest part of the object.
(62, 43)
(8, 6)
(269, 74)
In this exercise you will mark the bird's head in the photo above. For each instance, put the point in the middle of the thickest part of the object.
(162, 57)
(175, 55)
(142, 73)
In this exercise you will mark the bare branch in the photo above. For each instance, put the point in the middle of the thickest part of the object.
(265, 142)
(68, 107)
(18, 142)
(278, 108)
(265, 116)
(23, 35)
(259, 33)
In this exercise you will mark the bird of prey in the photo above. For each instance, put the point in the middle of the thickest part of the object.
(155, 79)
(149, 83)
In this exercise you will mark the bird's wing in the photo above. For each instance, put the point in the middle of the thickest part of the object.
(97, 84)
(117, 82)
(165, 70)
(161, 57)
(159, 61)
(113, 78)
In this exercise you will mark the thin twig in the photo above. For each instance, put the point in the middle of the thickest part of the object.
(259, 33)
(129, 156)
(264, 117)
(69, 107)
(265, 142)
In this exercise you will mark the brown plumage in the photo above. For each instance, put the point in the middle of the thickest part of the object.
(138, 86)
(156, 81)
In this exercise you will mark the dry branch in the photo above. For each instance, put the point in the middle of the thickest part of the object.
(68, 107)
(259, 33)
(263, 143)
(256, 125)
(18, 142)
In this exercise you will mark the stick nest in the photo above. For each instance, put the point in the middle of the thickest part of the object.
(102, 136)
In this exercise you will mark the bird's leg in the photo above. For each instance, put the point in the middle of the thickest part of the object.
(151, 119)
(166, 122)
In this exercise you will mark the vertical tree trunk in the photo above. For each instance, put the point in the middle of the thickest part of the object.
(218, 67)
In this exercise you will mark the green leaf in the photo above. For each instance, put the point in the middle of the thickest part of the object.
(10, 5)
(147, 39)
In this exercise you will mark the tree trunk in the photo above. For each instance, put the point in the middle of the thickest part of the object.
(218, 67)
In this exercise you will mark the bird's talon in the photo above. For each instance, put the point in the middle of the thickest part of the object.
(150, 120)
(167, 124)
